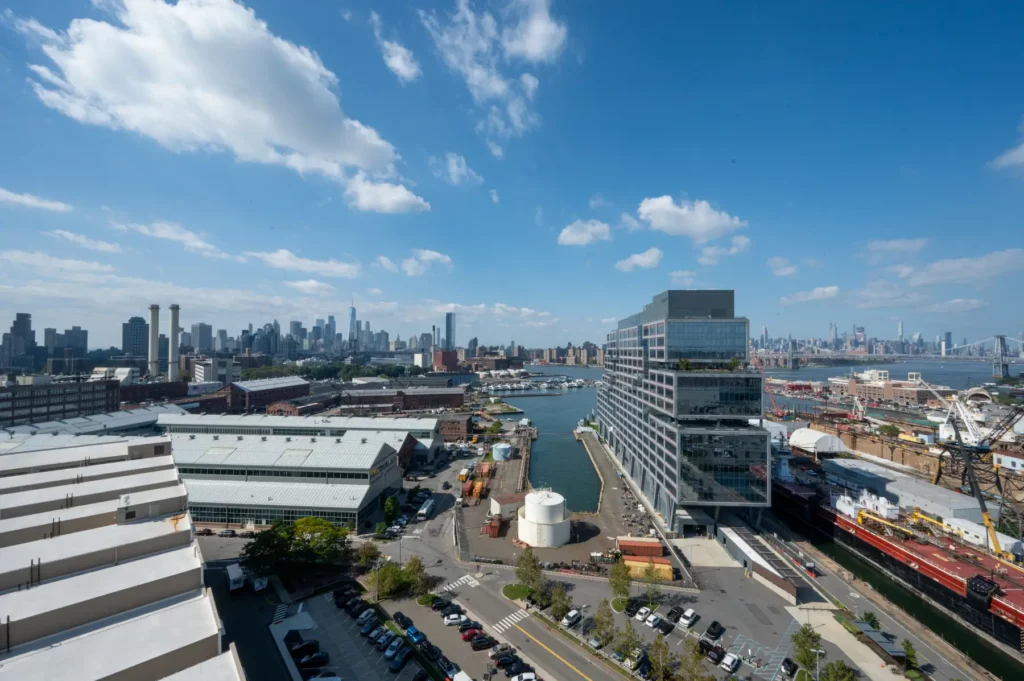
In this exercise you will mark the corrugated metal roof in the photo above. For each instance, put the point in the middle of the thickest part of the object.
(100, 423)
(352, 451)
(270, 383)
(381, 423)
(302, 495)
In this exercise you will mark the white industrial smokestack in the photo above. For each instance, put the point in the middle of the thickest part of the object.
(172, 355)
(154, 341)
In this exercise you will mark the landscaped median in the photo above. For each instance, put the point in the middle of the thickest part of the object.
(619, 604)
(515, 592)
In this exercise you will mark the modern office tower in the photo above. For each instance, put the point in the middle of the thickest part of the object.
(135, 337)
(675, 402)
(948, 337)
(449, 330)
(899, 331)
(202, 337)
(353, 327)
(471, 347)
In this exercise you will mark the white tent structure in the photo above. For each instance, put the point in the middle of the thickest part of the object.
(815, 442)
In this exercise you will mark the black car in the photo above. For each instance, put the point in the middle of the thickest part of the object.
(369, 626)
(314, 660)
(481, 643)
(644, 670)
(704, 646)
(440, 604)
(401, 620)
(587, 625)
(714, 630)
(665, 627)
(420, 676)
(517, 668)
(469, 624)
(451, 610)
(401, 657)
(716, 654)
(505, 660)
(448, 667)
(789, 668)
(430, 651)
(632, 608)
(674, 614)
(446, 485)
(357, 608)
(304, 648)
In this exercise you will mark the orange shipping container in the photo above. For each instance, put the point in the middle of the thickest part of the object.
(640, 546)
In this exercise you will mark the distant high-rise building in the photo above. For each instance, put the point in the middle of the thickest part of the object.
(764, 335)
(135, 337)
(186, 339)
(296, 330)
(353, 326)
(221, 342)
(471, 347)
(948, 338)
(899, 331)
(202, 337)
(449, 330)
(425, 342)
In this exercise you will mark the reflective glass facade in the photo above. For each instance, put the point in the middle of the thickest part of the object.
(699, 340)
(718, 395)
(722, 467)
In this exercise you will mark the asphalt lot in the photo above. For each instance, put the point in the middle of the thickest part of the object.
(448, 639)
(221, 548)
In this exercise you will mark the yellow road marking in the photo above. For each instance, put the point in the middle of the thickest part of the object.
(559, 657)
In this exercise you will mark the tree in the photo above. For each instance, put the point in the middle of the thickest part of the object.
(620, 579)
(837, 671)
(872, 619)
(628, 641)
(380, 529)
(651, 582)
(494, 428)
(806, 640)
(317, 540)
(367, 554)
(691, 664)
(270, 551)
(388, 580)
(684, 365)
(291, 546)
(561, 603)
(889, 430)
(416, 577)
(662, 662)
(391, 509)
(528, 570)
(604, 622)
(911, 654)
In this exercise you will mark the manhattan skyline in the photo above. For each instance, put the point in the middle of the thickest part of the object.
(553, 175)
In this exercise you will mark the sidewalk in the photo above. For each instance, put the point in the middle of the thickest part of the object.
(832, 631)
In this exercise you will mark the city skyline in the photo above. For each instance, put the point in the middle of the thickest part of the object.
(733, 181)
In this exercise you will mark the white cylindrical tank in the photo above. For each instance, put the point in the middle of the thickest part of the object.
(544, 521)
(502, 451)
(154, 340)
(545, 507)
(172, 350)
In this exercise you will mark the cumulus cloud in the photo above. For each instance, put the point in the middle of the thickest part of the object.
(310, 286)
(957, 305)
(1011, 157)
(710, 255)
(683, 277)
(199, 76)
(584, 232)
(386, 263)
(37, 260)
(535, 36)
(881, 294)
(283, 259)
(494, 196)
(695, 219)
(819, 293)
(598, 201)
(978, 270)
(897, 245)
(781, 267)
(397, 57)
(646, 260)
(422, 259)
(454, 170)
(170, 231)
(382, 197)
(495, 149)
(627, 221)
(85, 242)
(32, 201)
(375, 292)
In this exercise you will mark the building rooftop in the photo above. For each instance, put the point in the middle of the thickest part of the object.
(319, 422)
(224, 667)
(64, 476)
(416, 390)
(12, 505)
(38, 459)
(305, 495)
(270, 383)
(356, 450)
(98, 424)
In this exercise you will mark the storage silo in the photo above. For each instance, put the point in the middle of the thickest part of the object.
(502, 451)
(544, 520)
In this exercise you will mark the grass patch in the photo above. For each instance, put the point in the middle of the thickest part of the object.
(619, 604)
(426, 600)
(802, 675)
(913, 674)
(515, 591)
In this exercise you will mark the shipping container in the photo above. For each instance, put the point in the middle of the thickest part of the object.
(477, 488)
(640, 546)
(467, 488)
(638, 566)
(463, 474)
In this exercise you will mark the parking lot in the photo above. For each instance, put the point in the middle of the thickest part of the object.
(352, 657)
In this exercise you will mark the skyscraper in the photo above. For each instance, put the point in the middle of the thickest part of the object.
(899, 331)
(353, 327)
(948, 337)
(449, 331)
(135, 337)
(202, 337)
(471, 347)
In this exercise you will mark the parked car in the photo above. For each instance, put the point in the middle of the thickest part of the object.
(642, 614)
(500, 650)
(385, 640)
(666, 627)
(503, 661)
(635, 658)
(227, 533)
(674, 613)
(304, 648)
(357, 608)
(587, 625)
(247, 534)
(369, 626)
(528, 676)
(402, 520)
(393, 648)
(571, 619)
(714, 630)
(365, 615)
(378, 634)
(481, 643)
(314, 660)
(449, 668)
(451, 610)
(730, 662)
(653, 620)
(704, 645)
(415, 635)
(715, 655)
(470, 634)
(469, 624)
(446, 485)
(327, 675)
(517, 668)
(401, 620)
(688, 618)
(644, 670)
(401, 657)
(454, 620)
(420, 676)
(789, 668)
(632, 608)
(595, 643)
(204, 532)
(440, 604)
(431, 652)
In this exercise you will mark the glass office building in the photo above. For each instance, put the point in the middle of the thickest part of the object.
(676, 402)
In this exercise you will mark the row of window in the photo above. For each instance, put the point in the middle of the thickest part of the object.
(266, 516)
(273, 473)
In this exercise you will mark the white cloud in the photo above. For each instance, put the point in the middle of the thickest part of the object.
(901, 271)
(781, 267)
(646, 260)
(454, 170)
(386, 263)
(538, 216)
(710, 255)
(310, 286)
(382, 197)
(881, 294)
(598, 201)
(819, 293)
(495, 149)
(627, 221)
(494, 196)
(32, 201)
(1010, 157)
(207, 76)
(897, 245)
(537, 36)
(375, 292)
(346, 14)
(978, 270)
(957, 305)
(37, 260)
(397, 57)
(170, 231)
(86, 242)
(583, 232)
(422, 259)
(683, 277)
(695, 219)
(283, 259)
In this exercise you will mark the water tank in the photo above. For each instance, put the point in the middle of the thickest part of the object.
(502, 451)
(545, 507)
(543, 520)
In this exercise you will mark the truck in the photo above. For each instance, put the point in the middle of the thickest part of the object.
(236, 577)
(257, 583)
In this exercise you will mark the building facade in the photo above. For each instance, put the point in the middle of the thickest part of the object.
(875, 385)
(675, 402)
(55, 401)
(250, 396)
(221, 369)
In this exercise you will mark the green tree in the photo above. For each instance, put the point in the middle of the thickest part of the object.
(806, 640)
(416, 577)
(386, 581)
(889, 430)
(662, 662)
(528, 570)
(684, 365)
(837, 671)
(620, 579)
(691, 664)
(872, 619)
(604, 622)
(651, 583)
(380, 529)
(317, 540)
(271, 550)
(391, 509)
(911, 654)
(628, 640)
(494, 428)
(367, 554)
(561, 603)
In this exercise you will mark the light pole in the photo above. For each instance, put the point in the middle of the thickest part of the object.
(817, 663)
(376, 597)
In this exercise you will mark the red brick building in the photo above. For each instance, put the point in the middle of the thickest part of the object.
(446, 360)
(385, 401)
(456, 426)
(245, 397)
(302, 406)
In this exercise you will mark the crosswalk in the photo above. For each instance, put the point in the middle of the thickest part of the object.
(468, 580)
(279, 613)
(510, 621)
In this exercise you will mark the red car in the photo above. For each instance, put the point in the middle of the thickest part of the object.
(204, 532)
(470, 634)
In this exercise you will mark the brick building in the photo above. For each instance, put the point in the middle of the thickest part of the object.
(385, 401)
(302, 406)
(446, 360)
(456, 426)
(39, 400)
(254, 396)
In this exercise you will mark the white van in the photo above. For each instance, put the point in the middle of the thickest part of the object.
(571, 619)
(688, 618)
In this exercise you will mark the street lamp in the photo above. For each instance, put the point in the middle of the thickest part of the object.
(817, 663)
(376, 597)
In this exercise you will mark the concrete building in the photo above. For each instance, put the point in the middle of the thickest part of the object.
(251, 396)
(44, 400)
(134, 337)
(875, 385)
(111, 586)
(202, 337)
(222, 370)
(674, 406)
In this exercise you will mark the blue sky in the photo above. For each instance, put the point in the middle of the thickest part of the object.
(539, 168)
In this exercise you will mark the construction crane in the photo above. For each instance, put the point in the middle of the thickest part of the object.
(760, 369)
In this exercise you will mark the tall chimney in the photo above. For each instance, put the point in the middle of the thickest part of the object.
(172, 354)
(154, 341)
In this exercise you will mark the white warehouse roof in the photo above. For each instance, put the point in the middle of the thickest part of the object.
(270, 383)
(97, 424)
(303, 495)
(351, 451)
(816, 442)
(268, 422)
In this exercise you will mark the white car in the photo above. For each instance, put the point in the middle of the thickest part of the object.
(653, 620)
(642, 614)
(730, 663)
(528, 676)
(688, 618)
(454, 620)
(571, 619)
